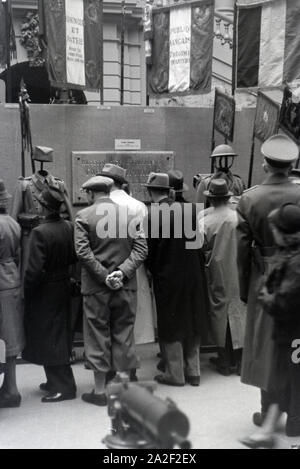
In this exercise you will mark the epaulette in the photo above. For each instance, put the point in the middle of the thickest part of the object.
(250, 189)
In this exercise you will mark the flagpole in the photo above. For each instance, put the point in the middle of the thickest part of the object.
(122, 53)
(6, 4)
(102, 56)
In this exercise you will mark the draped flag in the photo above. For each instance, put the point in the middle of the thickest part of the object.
(6, 22)
(72, 31)
(268, 43)
(182, 43)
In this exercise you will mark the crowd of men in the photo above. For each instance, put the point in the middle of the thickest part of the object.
(224, 270)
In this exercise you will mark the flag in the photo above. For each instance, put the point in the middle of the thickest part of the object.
(73, 36)
(268, 43)
(182, 46)
(289, 119)
(266, 117)
(6, 22)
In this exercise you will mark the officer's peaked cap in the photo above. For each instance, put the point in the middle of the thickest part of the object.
(280, 150)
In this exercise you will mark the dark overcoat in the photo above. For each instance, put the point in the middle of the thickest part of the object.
(256, 247)
(47, 293)
(178, 278)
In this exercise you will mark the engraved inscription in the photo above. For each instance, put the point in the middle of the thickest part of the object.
(137, 163)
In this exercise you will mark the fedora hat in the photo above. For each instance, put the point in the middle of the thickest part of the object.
(286, 218)
(114, 172)
(51, 199)
(218, 188)
(158, 181)
(4, 195)
(223, 150)
(43, 154)
(280, 150)
(98, 183)
(176, 181)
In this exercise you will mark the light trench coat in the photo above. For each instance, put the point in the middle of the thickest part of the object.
(218, 234)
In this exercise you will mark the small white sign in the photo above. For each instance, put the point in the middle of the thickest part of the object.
(128, 144)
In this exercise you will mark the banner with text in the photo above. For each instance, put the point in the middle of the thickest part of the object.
(182, 44)
(73, 34)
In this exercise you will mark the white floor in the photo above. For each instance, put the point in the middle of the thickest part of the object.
(219, 410)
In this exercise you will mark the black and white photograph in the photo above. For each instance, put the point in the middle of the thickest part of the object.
(149, 227)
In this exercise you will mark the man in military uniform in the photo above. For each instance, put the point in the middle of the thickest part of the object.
(26, 206)
(222, 157)
(256, 247)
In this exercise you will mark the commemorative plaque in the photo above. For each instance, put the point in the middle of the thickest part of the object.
(138, 164)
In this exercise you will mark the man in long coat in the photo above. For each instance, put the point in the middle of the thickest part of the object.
(179, 283)
(47, 299)
(11, 311)
(227, 311)
(255, 250)
(110, 249)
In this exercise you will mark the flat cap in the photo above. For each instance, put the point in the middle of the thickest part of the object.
(98, 183)
(280, 149)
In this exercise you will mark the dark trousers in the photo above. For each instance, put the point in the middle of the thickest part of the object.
(181, 359)
(60, 379)
(228, 356)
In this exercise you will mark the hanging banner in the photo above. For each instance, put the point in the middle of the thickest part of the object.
(224, 114)
(182, 45)
(266, 117)
(289, 120)
(75, 42)
(180, 49)
(73, 34)
(6, 17)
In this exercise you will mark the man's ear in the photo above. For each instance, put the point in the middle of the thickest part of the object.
(265, 166)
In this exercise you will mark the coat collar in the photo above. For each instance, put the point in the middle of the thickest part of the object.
(39, 180)
(55, 217)
(276, 179)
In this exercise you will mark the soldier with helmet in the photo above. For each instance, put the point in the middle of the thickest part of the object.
(222, 158)
(256, 249)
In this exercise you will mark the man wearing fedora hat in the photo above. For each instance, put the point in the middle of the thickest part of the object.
(177, 184)
(109, 264)
(227, 312)
(48, 297)
(11, 311)
(256, 247)
(179, 284)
